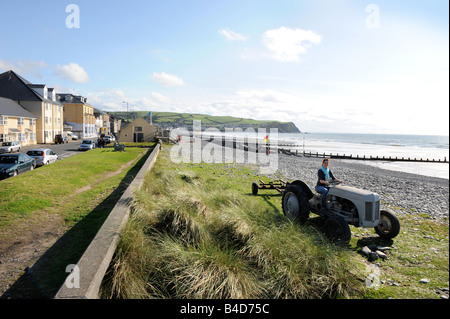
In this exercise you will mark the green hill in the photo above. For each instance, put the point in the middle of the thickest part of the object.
(220, 122)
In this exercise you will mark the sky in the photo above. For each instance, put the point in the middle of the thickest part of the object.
(327, 65)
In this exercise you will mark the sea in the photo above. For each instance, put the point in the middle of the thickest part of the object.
(430, 147)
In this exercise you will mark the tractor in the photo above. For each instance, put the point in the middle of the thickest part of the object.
(344, 206)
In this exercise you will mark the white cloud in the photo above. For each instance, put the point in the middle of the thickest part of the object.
(24, 67)
(287, 44)
(108, 100)
(232, 36)
(167, 79)
(113, 100)
(158, 97)
(73, 72)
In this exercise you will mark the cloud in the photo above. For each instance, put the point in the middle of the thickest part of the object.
(24, 67)
(73, 72)
(113, 100)
(232, 36)
(167, 79)
(288, 44)
(158, 97)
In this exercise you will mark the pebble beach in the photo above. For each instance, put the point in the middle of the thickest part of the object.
(407, 193)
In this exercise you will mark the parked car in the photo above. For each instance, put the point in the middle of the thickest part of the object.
(9, 147)
(72, 135)
(43, 156)
(86, 145)
(14, 164)
(111, 138)
(61, 139)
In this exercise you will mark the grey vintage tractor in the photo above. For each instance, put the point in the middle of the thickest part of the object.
(343, 206)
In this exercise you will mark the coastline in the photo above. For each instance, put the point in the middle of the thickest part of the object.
(422, 148)
(440, 170)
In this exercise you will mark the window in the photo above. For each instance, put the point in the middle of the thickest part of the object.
(3, 120)
(20, 121)
(138, 129)
(32, 122)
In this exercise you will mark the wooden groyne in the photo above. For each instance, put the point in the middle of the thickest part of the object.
(362, 158)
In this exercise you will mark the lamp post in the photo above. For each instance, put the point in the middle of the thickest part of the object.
(127, 108)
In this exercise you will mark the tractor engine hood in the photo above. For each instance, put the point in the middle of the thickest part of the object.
(354, 194)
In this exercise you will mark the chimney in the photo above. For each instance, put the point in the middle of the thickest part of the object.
(52, 94)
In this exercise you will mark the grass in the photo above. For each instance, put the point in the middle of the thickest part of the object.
(197, 232)
(419, 252)
(49, 186)
(80, 191)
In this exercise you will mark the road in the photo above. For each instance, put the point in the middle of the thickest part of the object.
(62, 150)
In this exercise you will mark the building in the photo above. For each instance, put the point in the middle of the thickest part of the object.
(37, 99)
(16, 123)
(78, 114)
(115, 124)
(102, 122)
(137, 131)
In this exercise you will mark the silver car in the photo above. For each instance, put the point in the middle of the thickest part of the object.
(86, 145)
(9, 147)
(43, 156)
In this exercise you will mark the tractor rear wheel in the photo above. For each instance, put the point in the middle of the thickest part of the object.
(295, 204)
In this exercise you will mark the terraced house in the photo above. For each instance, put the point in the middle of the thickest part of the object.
(37, 99)
(16, 123)
(79, 114)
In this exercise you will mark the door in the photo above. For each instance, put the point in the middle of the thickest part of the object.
(23, 166)
(138, 137)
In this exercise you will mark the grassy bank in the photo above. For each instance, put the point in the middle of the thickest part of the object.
(50, 187)
(197, 232)
(74, 196)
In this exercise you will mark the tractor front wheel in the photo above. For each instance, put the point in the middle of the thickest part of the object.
(389, 225)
